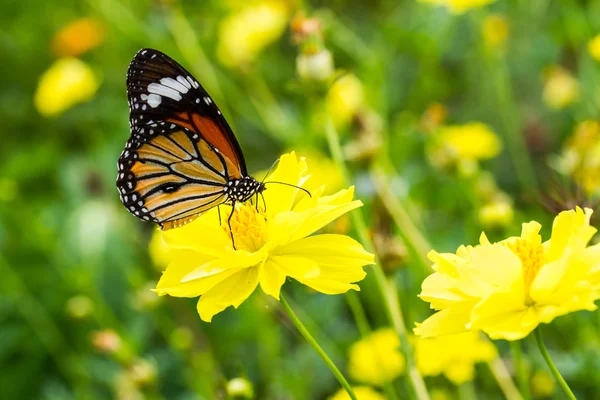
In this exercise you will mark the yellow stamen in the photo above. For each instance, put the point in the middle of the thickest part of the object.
(532, 260)
(248, 226)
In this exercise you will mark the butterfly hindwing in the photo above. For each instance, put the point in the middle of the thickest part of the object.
(181, 153)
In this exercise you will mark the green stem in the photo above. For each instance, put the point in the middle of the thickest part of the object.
(466, 391)
(504, 379)
(520, 372)
(561, 381)
(316, 347)
(358, 312)
(386, 289)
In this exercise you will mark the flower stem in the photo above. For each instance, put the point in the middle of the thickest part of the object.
(300, 326)
(520, 372)
(504, 379)
(561, 381)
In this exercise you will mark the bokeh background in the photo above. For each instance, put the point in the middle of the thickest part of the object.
(454, 117)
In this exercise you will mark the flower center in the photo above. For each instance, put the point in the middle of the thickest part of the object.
(532, 259)
(248, 227)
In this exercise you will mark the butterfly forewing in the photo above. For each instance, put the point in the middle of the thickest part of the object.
(181, 153)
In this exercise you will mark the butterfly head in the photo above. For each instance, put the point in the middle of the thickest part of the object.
(241, 190)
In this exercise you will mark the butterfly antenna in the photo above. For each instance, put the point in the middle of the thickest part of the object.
(270, 169)
(289, 184)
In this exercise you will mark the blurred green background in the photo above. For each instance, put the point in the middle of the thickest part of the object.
(402, 80)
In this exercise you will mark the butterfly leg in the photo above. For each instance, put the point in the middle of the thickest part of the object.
(219, 212)
(229, 224)
(264, 203)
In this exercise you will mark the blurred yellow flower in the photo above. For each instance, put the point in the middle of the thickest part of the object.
(561, 88)
(459, 6)
(594, 47)
(580, 158)
(495, 30)
(240, 387)
(344, 99)
(507, 289)
(244, 34)
(67, 82)
(78, 37)
(324, 172)
(377, 358)
(271, 245)
(542, 384)
(469, 142)
(160, 252)
(453, 355)
(497, 213)
(361, 392)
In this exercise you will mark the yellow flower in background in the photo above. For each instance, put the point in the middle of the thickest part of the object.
(377, 358)
(344, 99)
(361, 392)
(67, 82)
(240, 387)
(160, 252)
(542, 384)
(580, 158)
(561, 88)
(324, 172)
(508, 288)
(454, 356)
(459, 6)
(594, 47)
(497, 213)
(495, 30)
(78, 37)
(453, 144)
(244, 34)
(271, 246)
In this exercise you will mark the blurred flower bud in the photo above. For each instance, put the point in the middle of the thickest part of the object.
(126, 389)
(561, 88)
(79, 307)
(315, 67)
(67, 82)
(144, 298)
(240, 387)
(182, 338)
(498, 213)
(344, 99)
(107, 341)
(467, 167)
(485, 186)
(542, 384)
(391, 250)
(433, 117)
(495, 30)
(78, 37)
(304, 28)
(368, 138)
(142, 372)
(594, 47)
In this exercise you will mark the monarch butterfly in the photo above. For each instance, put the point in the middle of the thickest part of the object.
(182, 157)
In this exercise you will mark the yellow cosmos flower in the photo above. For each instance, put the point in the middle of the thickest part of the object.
(361, 392)
(465, 143)
(161, 253)
(561, 88)
(344, 99)
(495, 30)
(246, 33)
(507, 289)
(459, 6)
(67, 82)
(453, 355)
(377, 358)
(78, 37)
(580, 158)
(271, 244)
(594, 47)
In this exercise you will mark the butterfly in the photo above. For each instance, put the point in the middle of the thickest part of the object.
(182, 157)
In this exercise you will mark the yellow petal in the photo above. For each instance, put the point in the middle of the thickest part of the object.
(441, 291)
(446, 322)
(504, 316)
(498, 266)
(297, 267)
(237, 259)
(570, 228)
(171, 281)
(229, 292)
(271, 279)
(547, 280)
(290, 170)
(204, 235)
(291, 226)
(330, 250)
(460, 372)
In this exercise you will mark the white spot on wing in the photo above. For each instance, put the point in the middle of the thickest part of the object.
(172, 83)
(153, 100)
(163, 90)
(192, 82)
(183, 81)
